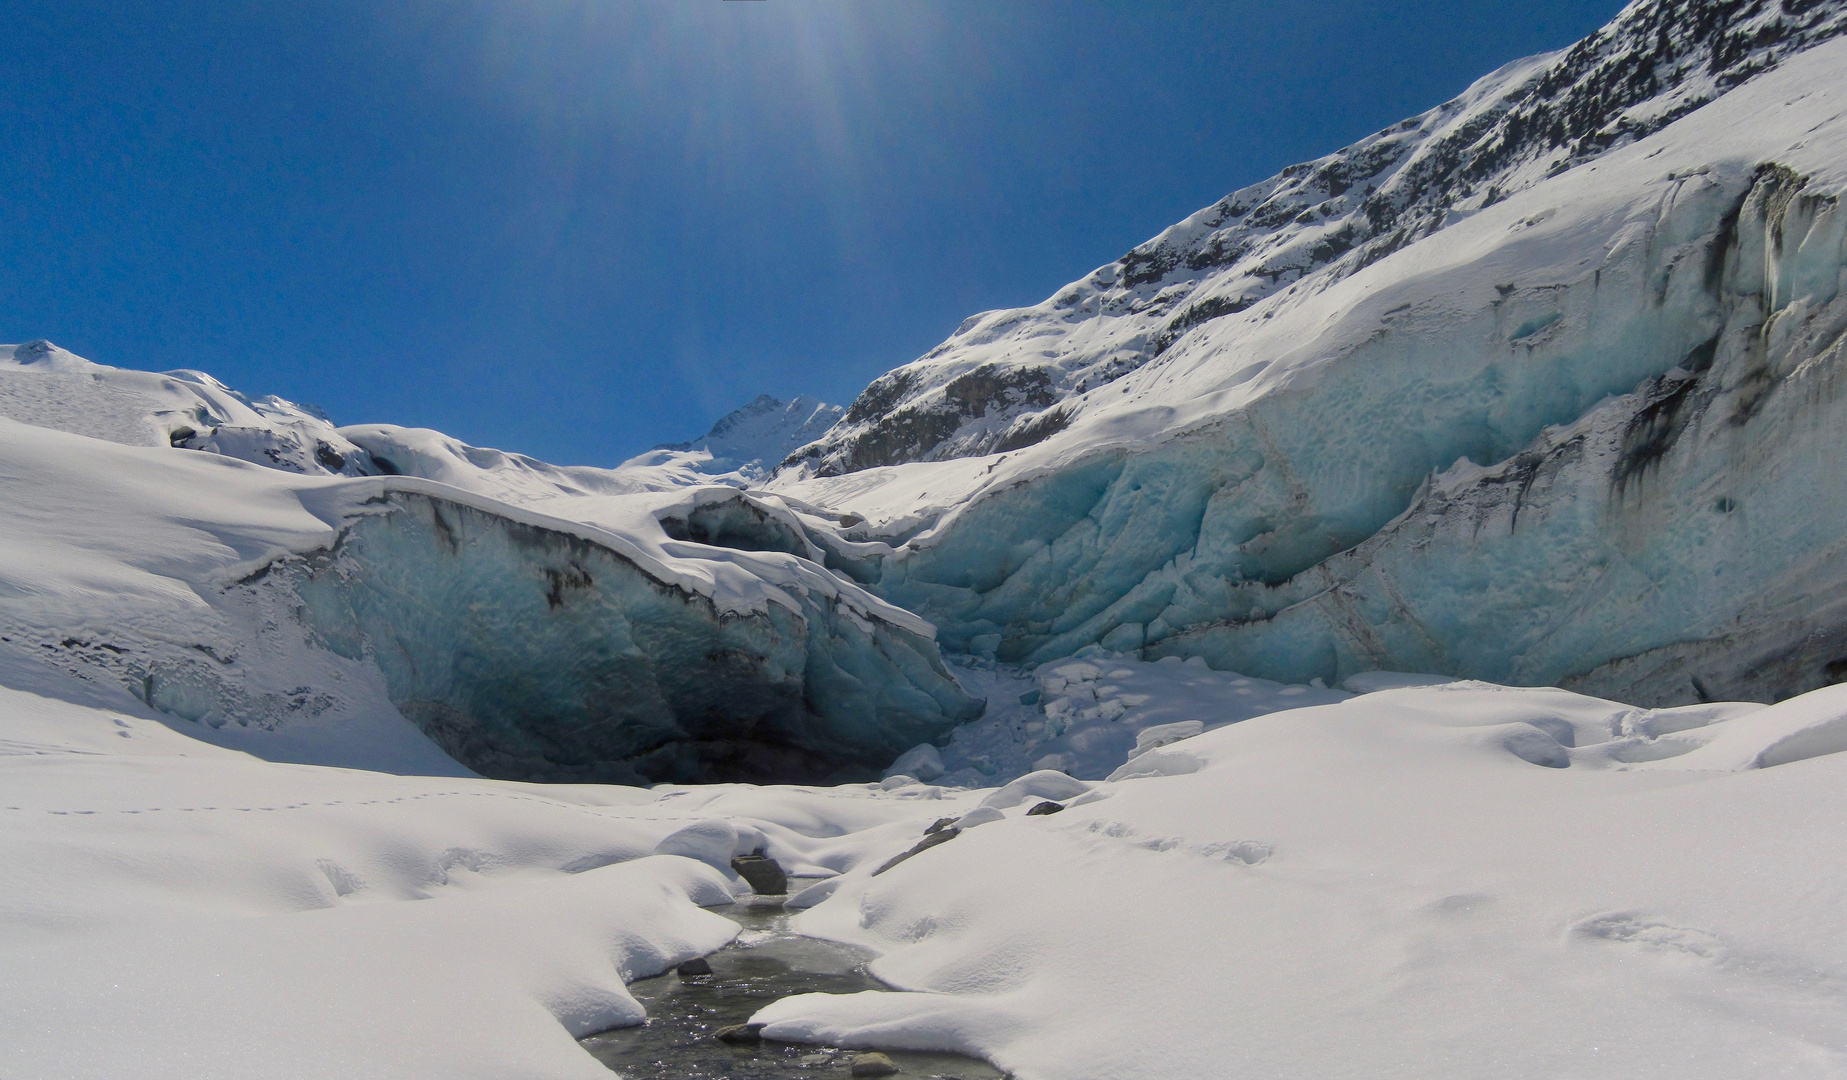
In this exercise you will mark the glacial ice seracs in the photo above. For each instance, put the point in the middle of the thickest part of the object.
(1577, 429)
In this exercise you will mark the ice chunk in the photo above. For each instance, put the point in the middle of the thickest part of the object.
(923, 761)
(1162, 762)
(531, 648)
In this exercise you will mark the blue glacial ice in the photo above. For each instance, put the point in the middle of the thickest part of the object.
(1587, 437)
(540, 649)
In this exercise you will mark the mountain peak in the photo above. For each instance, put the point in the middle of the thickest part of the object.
(757, 435)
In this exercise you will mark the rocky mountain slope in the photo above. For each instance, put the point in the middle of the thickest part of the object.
(1008, 379)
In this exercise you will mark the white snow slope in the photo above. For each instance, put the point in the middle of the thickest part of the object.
(1449, 881)
(751, 440)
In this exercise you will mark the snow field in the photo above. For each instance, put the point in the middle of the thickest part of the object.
(1384, 887)
(172, 908)
(1413, 881)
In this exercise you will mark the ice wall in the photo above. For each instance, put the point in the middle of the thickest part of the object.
(1583, 437)
(1129, 545)
(535, 653)
(1681, 542)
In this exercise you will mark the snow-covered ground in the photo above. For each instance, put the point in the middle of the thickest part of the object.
(1444, 881)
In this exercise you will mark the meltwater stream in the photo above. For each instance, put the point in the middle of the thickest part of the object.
(765, 963)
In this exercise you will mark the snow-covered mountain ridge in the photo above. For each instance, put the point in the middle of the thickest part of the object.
(1008, 379)
(1302, 488)
(753, 438)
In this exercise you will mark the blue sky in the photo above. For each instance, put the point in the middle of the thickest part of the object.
(580, 229)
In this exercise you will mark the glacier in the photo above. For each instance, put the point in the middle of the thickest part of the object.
(545, 651)
(1533, 387)
(1578, 435)
(276, 607)
(1211, 552)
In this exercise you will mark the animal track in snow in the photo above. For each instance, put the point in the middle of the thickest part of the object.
(1242, 852)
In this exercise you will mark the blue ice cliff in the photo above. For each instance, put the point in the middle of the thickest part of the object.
(1572, 422)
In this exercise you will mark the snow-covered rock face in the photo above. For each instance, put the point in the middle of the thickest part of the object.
(1582, 435)
(1007, 379)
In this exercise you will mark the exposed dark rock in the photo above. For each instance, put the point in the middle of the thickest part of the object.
(873, 1064)
(1203, 311)
(765, 875)
(698, 965)
(1033, 429)
(1045, 808)
(879, 397)
(993, 386)
(942, 836)
(939, 825)
(740, 1034)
